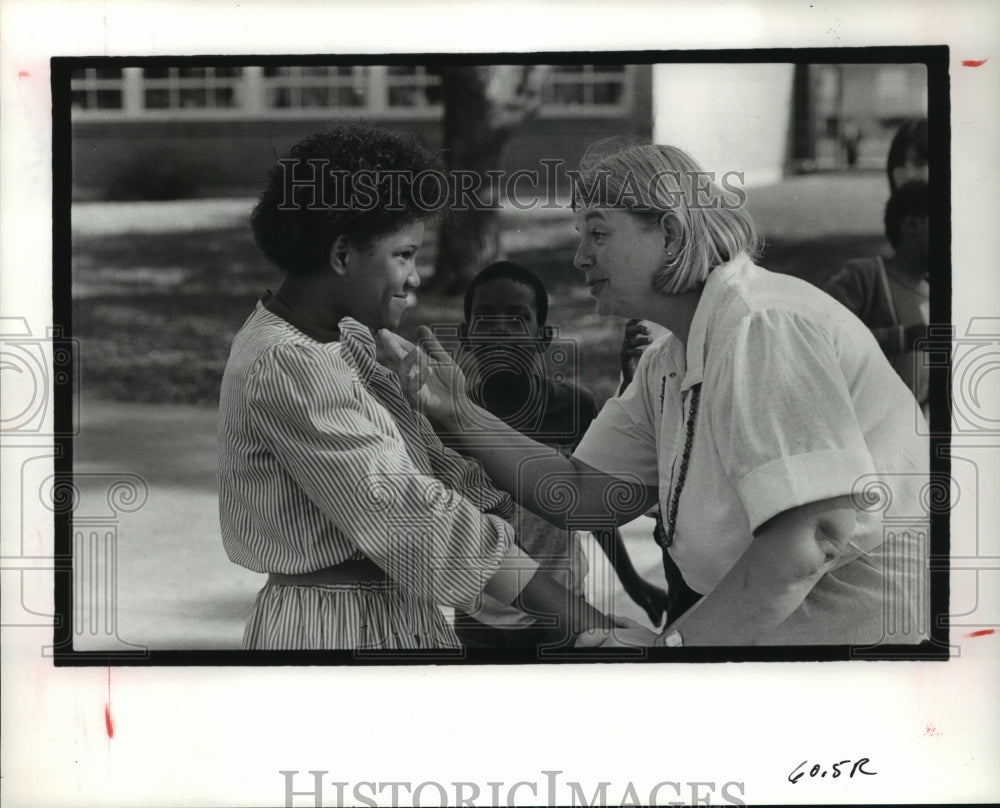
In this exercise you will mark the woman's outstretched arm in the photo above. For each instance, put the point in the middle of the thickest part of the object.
(560, 489)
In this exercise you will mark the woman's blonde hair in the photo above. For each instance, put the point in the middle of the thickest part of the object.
(649, 181)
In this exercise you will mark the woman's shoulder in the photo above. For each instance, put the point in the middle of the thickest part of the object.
(777, 307)
(765, 293)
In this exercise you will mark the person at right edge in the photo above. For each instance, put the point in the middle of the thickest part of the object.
(890, 294)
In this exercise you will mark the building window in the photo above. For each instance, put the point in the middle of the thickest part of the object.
(309, 87)
(374, 91)
(96, 88)
(586, 87)
(413, 87)
(191, 87)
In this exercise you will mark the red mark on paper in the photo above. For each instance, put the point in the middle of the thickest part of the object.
(984, 632)
(930, 731)
(109, 725)
(23, 74)
(973, 62)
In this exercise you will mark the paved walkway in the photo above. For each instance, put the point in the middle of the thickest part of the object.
(176, 589)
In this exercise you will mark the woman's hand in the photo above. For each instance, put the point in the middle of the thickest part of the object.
(627, 634)
(442, 395)
(401, 357)
(431, 381)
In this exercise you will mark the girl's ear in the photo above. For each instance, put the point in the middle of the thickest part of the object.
(338, 255)
(672, 234)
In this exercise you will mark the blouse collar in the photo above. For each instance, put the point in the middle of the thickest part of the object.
(356, 337)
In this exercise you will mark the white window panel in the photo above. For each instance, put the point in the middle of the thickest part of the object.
(96, 89)
(312, 87)
(373, 92)
(586, 90)
(191, 88)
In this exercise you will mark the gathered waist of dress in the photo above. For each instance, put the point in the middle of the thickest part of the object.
(359, 570)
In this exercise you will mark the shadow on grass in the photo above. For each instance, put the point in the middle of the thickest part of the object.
(155, 313)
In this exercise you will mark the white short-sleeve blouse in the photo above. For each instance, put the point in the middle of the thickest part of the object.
(797, 405)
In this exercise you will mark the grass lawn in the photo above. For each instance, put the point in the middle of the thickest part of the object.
(155, 312)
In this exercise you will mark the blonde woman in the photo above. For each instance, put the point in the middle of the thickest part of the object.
(751, 425)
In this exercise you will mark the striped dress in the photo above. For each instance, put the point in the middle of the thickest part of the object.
(321, 460)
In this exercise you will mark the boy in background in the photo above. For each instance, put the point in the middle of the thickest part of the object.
(504, 342)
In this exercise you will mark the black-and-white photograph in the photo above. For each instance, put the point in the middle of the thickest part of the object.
(498, 404)
(578, 356)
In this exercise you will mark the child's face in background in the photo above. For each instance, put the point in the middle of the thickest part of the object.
(913, 167)
(503, 310)
(504, 323)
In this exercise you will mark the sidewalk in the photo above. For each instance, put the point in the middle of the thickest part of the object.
(176, 589)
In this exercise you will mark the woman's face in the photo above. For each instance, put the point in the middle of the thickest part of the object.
(620, 258)
(383, 277)
(913, 167)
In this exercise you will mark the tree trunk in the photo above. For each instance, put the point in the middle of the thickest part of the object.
(482, 106)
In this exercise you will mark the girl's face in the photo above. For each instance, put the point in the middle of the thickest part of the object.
(620, 258)
(383, 277)
(913, 167)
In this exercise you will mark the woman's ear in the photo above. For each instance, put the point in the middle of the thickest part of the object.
(672, 233)
(338, 255)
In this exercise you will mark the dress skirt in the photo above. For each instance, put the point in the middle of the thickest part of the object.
(364, 615)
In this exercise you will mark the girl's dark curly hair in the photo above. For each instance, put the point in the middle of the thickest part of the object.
(353, 181)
